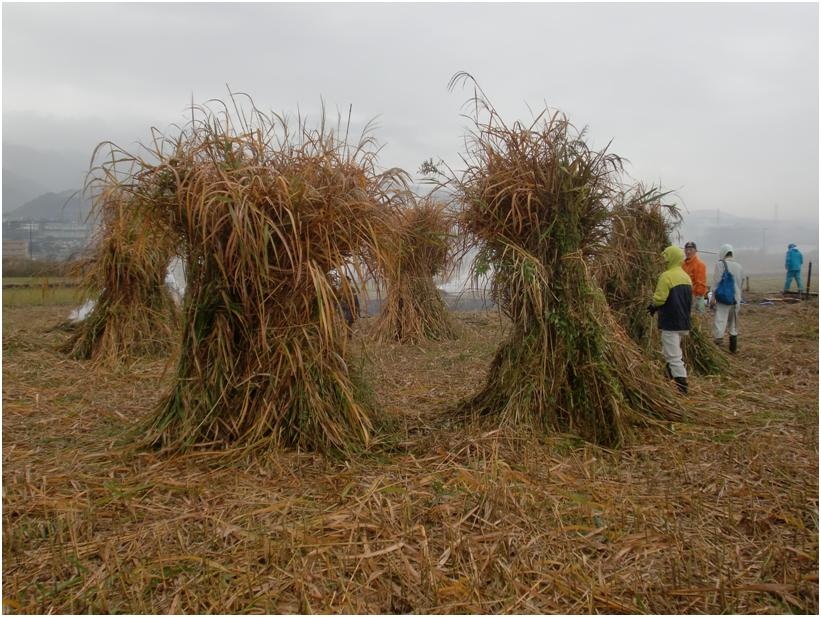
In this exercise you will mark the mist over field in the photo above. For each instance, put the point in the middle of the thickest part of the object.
(718, 102)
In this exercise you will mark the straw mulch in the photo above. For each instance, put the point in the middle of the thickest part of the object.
(715, 517)
(264, 217)
(536, 201)
(134, 313)
(413, 309)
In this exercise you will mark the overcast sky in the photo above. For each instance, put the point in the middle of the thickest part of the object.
(719, 102)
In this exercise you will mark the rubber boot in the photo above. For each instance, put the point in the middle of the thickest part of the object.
(719, 342)
(733, 343)
(681, 383)
(667, 372)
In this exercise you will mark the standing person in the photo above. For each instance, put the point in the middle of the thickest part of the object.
(792, 263)
(726, 317)
(673, 300)
(697, 271)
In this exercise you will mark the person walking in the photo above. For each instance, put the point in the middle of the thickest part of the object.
(792, 263)
(697, 271)
(672, 300)
(726, 306)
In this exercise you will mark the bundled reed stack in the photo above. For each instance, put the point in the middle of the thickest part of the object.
(700, 352)
(134, 313)
(264, 219)
(413, 309)
(629, 266)
(536, 200)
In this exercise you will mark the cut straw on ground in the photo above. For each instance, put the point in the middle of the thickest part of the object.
(718, 516)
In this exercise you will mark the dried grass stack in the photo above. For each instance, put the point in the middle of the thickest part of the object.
(413, 309)
(629, 265)
(628, 269)
(701, 355)
(536, 200)
(264, 218)
(134, 313)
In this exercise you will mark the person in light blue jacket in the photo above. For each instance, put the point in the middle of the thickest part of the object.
(792, 263)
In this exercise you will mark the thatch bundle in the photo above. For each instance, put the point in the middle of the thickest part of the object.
(628, 268)
(701, 355)
(536, 199)
(413, 309)
(134, 313)
(629, 265)
(264, 218)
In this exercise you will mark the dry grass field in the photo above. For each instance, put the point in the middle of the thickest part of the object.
(716, 515)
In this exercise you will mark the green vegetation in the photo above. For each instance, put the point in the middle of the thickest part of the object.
(33, 291)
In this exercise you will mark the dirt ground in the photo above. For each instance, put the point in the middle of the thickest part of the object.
(718, 514)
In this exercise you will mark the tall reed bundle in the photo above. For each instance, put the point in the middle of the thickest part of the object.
(628, 268)
(264, 218)
(701, 355)
(629, 265)
(413, 309)
(134, 313)
(536, 200)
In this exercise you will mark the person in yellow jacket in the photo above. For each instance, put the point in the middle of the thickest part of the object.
(673, 300)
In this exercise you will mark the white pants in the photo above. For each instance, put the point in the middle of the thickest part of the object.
(699, 304)
(726, 318)
(671, 350)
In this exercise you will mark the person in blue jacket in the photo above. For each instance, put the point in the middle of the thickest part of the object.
(672, 301)
(792, 263)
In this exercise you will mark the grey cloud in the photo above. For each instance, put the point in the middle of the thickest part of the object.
(720, 100)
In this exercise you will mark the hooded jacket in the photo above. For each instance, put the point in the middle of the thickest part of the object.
(674, 293)
(733, 266)
(793, 259)
(697, 271)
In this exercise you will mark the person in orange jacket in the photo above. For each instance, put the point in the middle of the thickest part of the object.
(697, 272)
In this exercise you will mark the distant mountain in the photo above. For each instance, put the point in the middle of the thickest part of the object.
(713, 228)
(18, 189)
(52, 170)
(68, 206)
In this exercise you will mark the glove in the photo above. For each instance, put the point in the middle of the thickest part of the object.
(652, 308)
